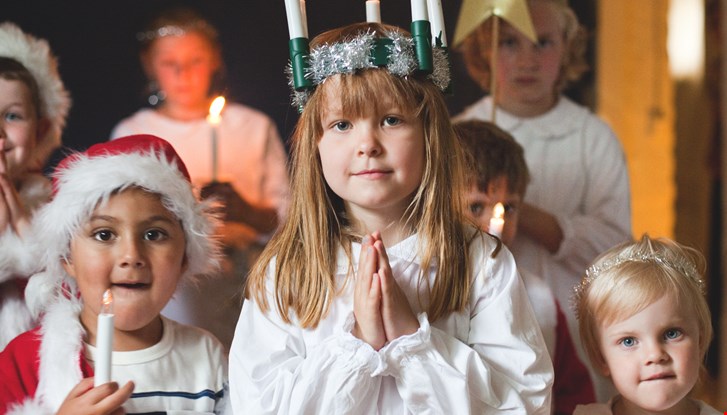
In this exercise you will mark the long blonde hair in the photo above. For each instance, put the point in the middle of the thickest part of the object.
(305, 249)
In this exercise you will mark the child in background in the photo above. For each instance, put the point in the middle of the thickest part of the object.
(375, 296)
(498, 174)
(182, 57)
(124, 218)
(33, 109)
(578, 201)
(645, 324)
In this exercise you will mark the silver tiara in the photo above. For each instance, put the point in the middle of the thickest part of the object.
(175, 30)
(681, 265)
(363, 52)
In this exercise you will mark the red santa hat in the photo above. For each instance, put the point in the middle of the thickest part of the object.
(82, 181)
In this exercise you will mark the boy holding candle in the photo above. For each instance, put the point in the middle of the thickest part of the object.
(498, 174)
(123, 218)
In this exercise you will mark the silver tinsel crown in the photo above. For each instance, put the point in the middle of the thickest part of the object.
(358, 54)
(679, 264)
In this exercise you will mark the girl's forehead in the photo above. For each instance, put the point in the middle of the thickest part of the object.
(357, 98)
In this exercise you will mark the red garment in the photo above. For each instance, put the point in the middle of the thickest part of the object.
(572, 384)
(19, 368)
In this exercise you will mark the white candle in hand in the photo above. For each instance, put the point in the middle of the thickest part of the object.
(214, 119)
(497, 221)
(373, 11)
(104, 340)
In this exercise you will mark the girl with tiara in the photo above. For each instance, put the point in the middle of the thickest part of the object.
(644, 323)
(375, 296)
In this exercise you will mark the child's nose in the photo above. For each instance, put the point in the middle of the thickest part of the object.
(132, 254)
(369, 143)
(655, 353)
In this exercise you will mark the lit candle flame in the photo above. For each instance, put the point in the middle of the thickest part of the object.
(107, 304)
(498, 211)
(216, 110)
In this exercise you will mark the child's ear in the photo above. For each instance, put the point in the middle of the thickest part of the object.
(68, 266)
(185, 263)
(41, 129)
(602, 366)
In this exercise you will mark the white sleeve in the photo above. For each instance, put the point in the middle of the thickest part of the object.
(272, 371)
(503, 367)
(606, 208)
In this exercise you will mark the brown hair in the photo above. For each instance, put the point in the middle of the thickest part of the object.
(12, 70)
(491, 152)
(476, 49)
(302, 254)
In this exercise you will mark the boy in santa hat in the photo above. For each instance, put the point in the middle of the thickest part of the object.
(123, 223)
(33, 109)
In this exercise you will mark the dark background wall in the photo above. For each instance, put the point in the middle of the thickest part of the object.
(98, 53)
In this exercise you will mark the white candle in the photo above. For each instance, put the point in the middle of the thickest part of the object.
(373, 11)
(419, 10)
(295, 19)
(436, 19)
(497, 221)
(304, 18)
(214, 119)
(104, 340)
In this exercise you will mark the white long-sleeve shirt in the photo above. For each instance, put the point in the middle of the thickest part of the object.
(490, 358)
(579, 175)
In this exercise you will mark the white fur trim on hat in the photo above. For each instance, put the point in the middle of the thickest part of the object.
(36, 56)
(85, 182)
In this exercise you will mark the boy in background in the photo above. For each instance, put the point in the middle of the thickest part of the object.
(497, 173)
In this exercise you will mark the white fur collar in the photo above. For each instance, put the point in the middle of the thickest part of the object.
(60, 354)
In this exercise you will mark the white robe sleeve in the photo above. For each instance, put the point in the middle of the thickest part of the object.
(502, 368)
(272, 372)
(604, 219)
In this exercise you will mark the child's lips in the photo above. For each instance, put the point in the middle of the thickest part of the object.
(131, 285)
(660, 376)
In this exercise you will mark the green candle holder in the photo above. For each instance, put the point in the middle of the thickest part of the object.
(421, 32)
(299, 52)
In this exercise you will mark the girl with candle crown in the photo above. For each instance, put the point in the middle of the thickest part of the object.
(123, 217)
(375, 296)
(33, 109)
(645, 324)
(239, 159)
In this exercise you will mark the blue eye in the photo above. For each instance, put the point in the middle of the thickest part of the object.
(391, 121)
(342, 126)
(628, 342)
(103, 235)
(672, 334)
(12, 116)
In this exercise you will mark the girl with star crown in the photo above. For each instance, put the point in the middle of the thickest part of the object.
(645, 324)
(376, 296)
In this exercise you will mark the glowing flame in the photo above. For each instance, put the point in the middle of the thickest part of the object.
(216, 110)
(107, 304)
(498, 211)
